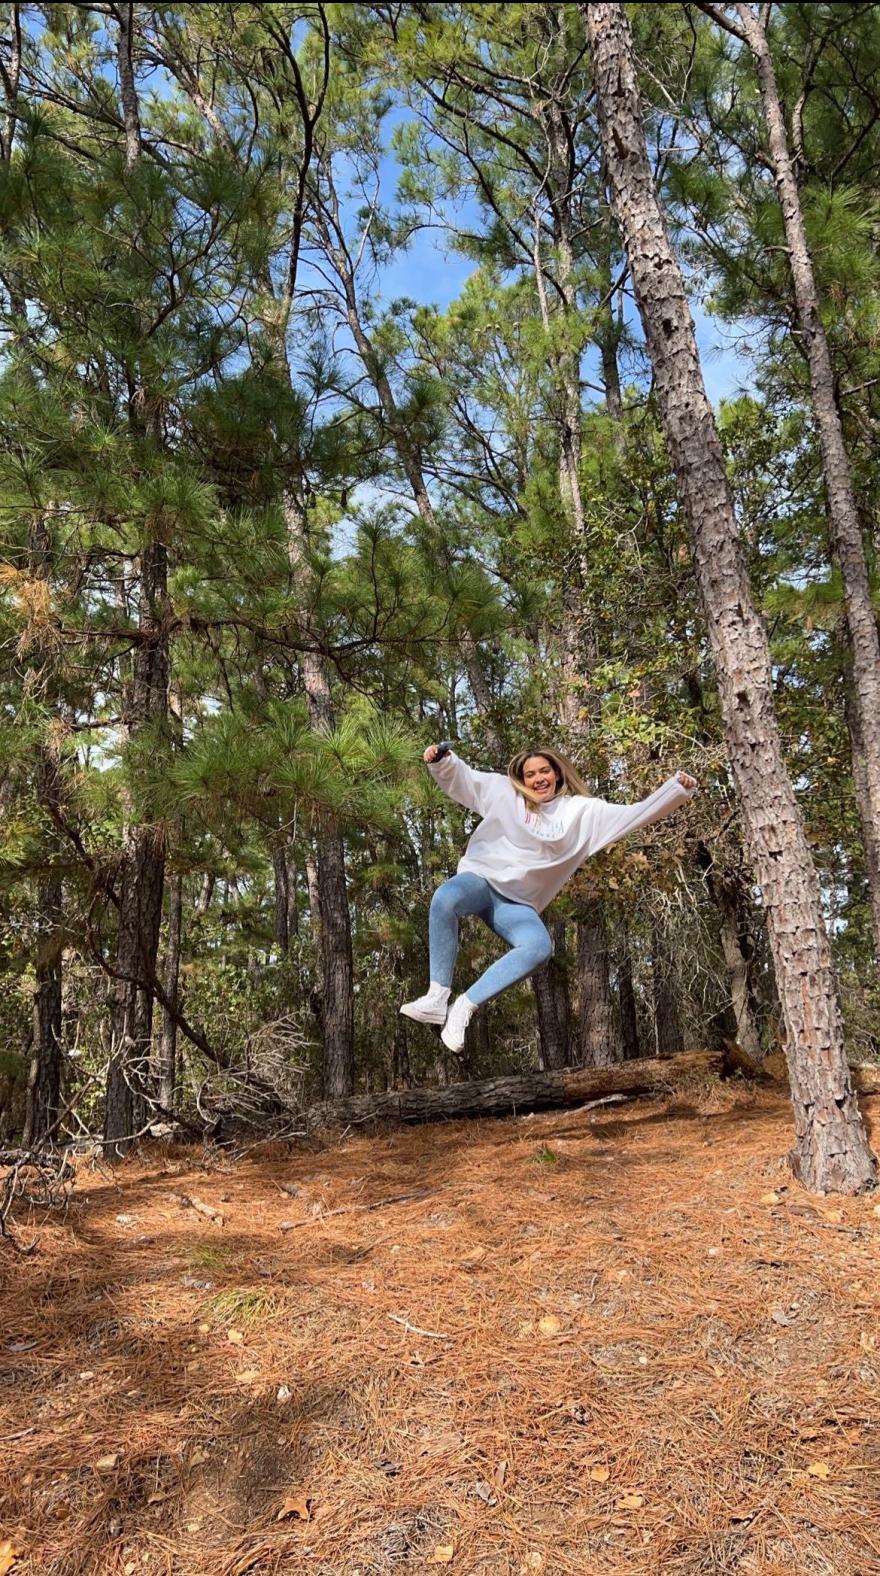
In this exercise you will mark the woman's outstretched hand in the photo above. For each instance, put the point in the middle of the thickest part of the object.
(431, 753)
(680, 777)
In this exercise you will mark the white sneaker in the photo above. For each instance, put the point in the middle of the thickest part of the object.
(460, 1014)
(431, 1008)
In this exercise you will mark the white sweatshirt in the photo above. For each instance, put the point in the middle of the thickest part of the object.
(528, 854)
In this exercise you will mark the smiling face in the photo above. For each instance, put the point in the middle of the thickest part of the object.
(539, 777)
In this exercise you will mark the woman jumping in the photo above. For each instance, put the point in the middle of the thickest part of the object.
(538, 825)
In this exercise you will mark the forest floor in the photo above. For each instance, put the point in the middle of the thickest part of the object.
(607, 1342)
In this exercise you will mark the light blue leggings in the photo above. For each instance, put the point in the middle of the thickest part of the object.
(514, 922)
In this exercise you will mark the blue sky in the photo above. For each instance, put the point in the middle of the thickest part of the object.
(433, 275)
(430, 272)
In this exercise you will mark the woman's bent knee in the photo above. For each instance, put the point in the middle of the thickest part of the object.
(543, 951)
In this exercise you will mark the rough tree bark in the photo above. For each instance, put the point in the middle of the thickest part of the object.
(553, 1002)
(832, 1152)
(598, 1039)
(282, 896)
(331, 886)
(629, 1023)
(552, 1038)
(44, 1076)
(667, 1021)
(846, 539)
(726, 890)
(166, 1060)
(141, 873)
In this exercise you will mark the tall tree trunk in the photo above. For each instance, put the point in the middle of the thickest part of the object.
(726, 890)
(292, 897)
(832, 1151)
(141, 876)
(44, 1078)
(141, 872)
(870, 830)
(551, 1040)
(334, 932)
(166, 1061)
(553, 1002)
(629, 1023)
(559, 976)
(599, 1044)
(401, 1077)
(127, 88)
(667, 1023)
(282, 896)
(737, 949)
(11, 84)
(847, 542)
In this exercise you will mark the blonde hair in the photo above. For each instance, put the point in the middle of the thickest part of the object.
(568, 779)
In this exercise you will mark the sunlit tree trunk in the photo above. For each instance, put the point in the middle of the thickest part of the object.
(832, 1151)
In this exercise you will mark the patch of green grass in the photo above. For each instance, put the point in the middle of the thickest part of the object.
(209, 1256)
(545, 1156)
(240, 1305)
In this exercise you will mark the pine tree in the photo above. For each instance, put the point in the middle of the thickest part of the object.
(832, 1150)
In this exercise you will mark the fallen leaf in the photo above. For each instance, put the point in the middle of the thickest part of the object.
(600, 1474)
(19, 1346)
(248, 1377)
(198, 1456)
(386, 1465)
(770, 1198)
(499, 1475)
(819, 1469)
(444, 1554)
(156, 1499)
(8, 1556)
(475, 1256)
(235, 1336)
(484, 1491)
(533, 1562)
(549, 1325)
(527, 1327)
(129, 1569)
(779, 1316)
(835, 1216)
(867, 1341)
(283, 1394)
(107, 1463)
(630, 1502)
(294, 1510)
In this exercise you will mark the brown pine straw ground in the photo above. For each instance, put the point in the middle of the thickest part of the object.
(650, 1352)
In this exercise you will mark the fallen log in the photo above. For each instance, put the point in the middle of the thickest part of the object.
(507, 1096)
